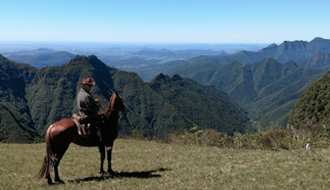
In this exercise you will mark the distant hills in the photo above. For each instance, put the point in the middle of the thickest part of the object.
(41, 57)
(286, 51)
(30, 52)
(174, 54)
(305, 54)
(31, 99)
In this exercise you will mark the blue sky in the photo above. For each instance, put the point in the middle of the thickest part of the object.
(169, 21)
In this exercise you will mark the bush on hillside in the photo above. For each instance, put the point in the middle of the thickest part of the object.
(277, 138)
(210, 137)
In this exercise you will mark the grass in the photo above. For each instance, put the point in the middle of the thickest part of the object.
(150, 165)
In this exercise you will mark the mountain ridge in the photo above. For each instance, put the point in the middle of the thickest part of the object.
(286, 51)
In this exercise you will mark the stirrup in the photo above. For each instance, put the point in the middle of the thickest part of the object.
(84, 129)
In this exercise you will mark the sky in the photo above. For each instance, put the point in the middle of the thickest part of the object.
(164, 21)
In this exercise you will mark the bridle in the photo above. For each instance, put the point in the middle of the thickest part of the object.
(110, 109)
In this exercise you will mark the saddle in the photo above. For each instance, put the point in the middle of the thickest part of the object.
(81, 129)
(94, 129)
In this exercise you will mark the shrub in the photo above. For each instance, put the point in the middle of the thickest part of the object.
(37, 139)
(226, 142)
(210, 137)
(137, 134)
(313, 133)
(275, 139)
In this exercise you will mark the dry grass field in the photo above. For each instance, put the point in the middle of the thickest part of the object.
(151, 165)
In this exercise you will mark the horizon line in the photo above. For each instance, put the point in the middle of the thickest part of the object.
(113, 42)
(31, 42)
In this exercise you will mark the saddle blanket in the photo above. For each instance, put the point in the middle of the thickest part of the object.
(81, 130)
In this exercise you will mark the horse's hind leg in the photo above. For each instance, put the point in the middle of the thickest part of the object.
(49, 179)
(59, 156)
(57, 178)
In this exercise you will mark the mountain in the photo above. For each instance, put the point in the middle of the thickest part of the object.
(296, 50)
(11, 129)
(203, 105)
(313, 105)
(32, 99)
(321, 60)
(15, 119)
(42, 58)
(267, 89)
(12, 88)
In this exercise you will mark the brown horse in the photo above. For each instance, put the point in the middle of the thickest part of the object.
(63, 132)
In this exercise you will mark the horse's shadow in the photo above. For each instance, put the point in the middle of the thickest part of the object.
(138, 174)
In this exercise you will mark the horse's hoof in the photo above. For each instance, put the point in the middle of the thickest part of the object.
(59, 181)
(49, 181)
(103, 173)
(111, 172)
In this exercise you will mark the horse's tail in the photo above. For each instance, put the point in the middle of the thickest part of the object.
(49, 158)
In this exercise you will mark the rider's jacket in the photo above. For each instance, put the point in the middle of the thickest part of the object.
(87, 106)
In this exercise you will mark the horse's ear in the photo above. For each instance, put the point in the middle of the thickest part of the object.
(110, 93)
(117, 93)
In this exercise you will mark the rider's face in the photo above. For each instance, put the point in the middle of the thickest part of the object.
(88, 87)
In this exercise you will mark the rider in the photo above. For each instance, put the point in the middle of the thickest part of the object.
(87, 105)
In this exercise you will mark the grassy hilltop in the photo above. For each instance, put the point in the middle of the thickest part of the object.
(150, 165)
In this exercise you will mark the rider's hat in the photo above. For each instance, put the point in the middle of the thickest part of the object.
(88, 81)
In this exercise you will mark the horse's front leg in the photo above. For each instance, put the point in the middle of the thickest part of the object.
(109, 154)
(102, 158)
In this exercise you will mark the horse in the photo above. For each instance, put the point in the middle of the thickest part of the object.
(64, 132)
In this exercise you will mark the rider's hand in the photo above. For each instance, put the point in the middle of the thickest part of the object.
(97, 101)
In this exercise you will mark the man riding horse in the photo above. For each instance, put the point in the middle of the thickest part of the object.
(88, 107)
(66, 131)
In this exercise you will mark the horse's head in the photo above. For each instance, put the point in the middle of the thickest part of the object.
(116, 104)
